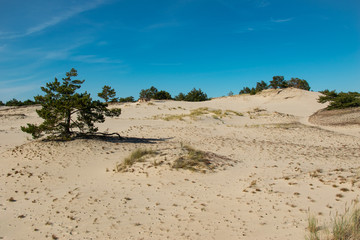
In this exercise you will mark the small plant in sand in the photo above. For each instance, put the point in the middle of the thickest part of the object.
(194, 160)
(343, 227)
(135, 156)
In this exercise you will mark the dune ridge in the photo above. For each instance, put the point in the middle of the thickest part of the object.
(274, 168)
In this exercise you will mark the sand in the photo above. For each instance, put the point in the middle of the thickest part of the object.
(273, 169)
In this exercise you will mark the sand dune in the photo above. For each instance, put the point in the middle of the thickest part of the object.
(271, 168)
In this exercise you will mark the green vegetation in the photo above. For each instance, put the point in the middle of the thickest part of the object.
(148, 93)
(16, 103)
(162, 95)
(108, 94)
(61, 104)
(135, 156)
(194, 160)
(127, 99)
(153, 93)
(180, 97)
(344, 227)
(277, 82)
(196, 95)
(340, 100)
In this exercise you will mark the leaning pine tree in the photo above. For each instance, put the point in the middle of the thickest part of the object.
(66, 113)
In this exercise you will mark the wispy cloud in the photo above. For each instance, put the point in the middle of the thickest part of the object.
(17, 92)
(94, 59)
(162, 25)
(54, 20)
(2, 48)
(262, 3)
(15, 80)
(165, 64)
(281, 20)
(262, 26)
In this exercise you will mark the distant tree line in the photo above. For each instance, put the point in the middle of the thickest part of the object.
(16, 103)
(277, 82)
(195, 95)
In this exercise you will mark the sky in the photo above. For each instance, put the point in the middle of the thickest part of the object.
(177, 45)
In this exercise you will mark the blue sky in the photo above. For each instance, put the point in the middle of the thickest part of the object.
(175, 45)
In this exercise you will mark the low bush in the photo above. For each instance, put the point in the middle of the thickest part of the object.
(340, 100)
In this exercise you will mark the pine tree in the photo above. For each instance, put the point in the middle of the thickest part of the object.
(108, 94)
(64, 110)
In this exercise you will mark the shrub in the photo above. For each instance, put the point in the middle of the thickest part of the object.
(162, 95)
(180, 97)
(194, 160)
(261, 86)
(245, 90)
(196, 96)
(148, 93)
(340, 100)
(278, 82)
(13, 102)
(61, 103)
(127, 99)
(1, 103)
(298, 83)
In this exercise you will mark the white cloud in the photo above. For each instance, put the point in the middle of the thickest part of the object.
(94, 59)
(281, 20)
(55, 20)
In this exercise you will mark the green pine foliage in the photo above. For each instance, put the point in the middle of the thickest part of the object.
(127, 99)
(180, 97)
(340, 100)
(196, 95)
(153, 93)
(148, 93)
(108, 94)
(162, 95)
(298, 83)
(66, 112)
(17, 103)
(277, 82)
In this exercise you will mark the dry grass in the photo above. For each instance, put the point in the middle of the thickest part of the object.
(343, 227)
(196, 113)
(193, 160)
(337, 117)
(135, 156)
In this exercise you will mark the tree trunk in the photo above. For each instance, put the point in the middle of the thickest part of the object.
(67, 124)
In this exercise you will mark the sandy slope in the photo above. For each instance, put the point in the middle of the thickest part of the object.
(281, 169)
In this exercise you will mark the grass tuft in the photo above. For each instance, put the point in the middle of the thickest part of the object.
(135, 156)
(196, 113)
(194, 160)
(344, 227)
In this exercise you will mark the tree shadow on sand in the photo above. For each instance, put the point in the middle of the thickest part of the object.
(116, 139)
